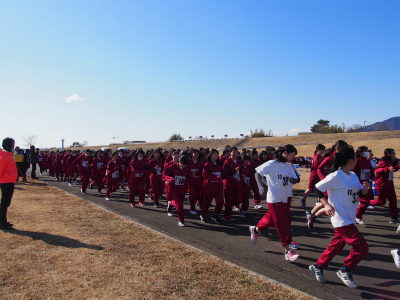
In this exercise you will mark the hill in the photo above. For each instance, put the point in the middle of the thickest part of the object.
(305, 144)
(389, 124)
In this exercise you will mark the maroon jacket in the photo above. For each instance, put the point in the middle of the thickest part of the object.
(212, 174)
(384, 177)
(137, 170)
(99, 166)
(197, 172)
(84, 164)
(113, 171)
(155, 173)
(178, 177)
(364, 170)
(233, 180)
(323, 167)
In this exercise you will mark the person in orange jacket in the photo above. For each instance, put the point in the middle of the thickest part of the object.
(8, 177)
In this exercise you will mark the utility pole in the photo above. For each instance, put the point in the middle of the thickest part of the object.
(365, 129)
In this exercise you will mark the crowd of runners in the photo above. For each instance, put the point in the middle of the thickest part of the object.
(341, 176)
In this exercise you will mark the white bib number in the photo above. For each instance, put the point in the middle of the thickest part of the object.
(99, 165)
(158, 171)
(138, 174)
(237, 176)
(40, 159)
(115, 174)
(180, 180)
(217, 174)
(365, 174)
(194, 172)
(122, 167)
(390, 175)
(247, 180)
(62, 161)
(85, 164)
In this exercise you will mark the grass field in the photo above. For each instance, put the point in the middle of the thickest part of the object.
(305, 144)
(67, 248)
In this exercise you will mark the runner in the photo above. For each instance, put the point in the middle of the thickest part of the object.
(112, 175)
(343, 187)
(156, 167)
(83, 162)
(278, 173)
(196, 183)
(137, 175)
(99, 166)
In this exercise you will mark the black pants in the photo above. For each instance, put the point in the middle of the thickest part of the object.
(7, 191)
(33, 171)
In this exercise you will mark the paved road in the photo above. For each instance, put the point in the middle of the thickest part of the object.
(377, 276)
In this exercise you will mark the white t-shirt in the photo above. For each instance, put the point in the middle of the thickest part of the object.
(278, 179)
(342, 195)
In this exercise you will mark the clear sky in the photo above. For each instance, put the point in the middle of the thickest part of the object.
(142, 70)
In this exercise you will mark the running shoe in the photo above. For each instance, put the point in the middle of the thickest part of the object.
(235, 208)
(198, 205)
(347, 279)
(242, 212)
(253, 234)
(83, 192)
(216, 219)
(310, 222)
(291, 255)
(396, 257)
(155, 205)
(108, 199)
(193, 212)
(360, 221)
(141, 204)
(303, 203)
(318, 273)
(133, 205)
(91, 185)
(394, 221)
(226, 219)
(203, 219)
(169, 209)
(371, 207)
(258, 206)
(69, 184)
(182, 224)
(398, 230)
(294, 245)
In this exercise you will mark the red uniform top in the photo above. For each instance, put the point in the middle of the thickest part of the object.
(252, 168)
(137, 169)
(383, 174)
(50, 160)
(99, 165)
(247, 173)
(196, 168)
(314, 167)
(156, 167)
(323, 167)
(84, 163)
(364, 170)
(113, 170)
(212, 174)
(233, 177)
(177, 177)
(123, 161)
(65, 159)
(59, 160)
(167, 160)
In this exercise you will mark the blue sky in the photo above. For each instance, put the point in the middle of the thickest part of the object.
(142, 70)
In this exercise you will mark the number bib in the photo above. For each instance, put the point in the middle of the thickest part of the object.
(158, 171)
(115, 174)
(247, 180)
(217, 174)
(282, 179)
(85, 164)
(99, 165)
(62, 161)
(237, 176)
(352, 197)
(122, 167)
(390, 175)
(138, 174)
(180, 180)
(40, 159)
(365, 174)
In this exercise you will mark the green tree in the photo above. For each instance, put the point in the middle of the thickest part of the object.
(175, 137)
(260, 133)
(320, 126)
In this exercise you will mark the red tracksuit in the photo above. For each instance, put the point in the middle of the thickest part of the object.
(253, 183)
(196, 183)
(70, 162)
(65, 165)
(314, 178)
(123, 160)
(212, 187)
(323, 168)
(99, 166)
(385, 188)
(156, 167)
(232, 184)
(246, 187)
(137, 174)
(178, 179)
(365, 172)
(112, 176)
(84, 162)
(50, 164)
(41, 163)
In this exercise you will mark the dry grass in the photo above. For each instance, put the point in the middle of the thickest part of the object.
(67, 248)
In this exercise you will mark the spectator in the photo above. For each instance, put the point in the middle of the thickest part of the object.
(22, 166)
(8, 177)
(33, 158)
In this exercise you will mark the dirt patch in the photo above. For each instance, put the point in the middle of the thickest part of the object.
(65, 247)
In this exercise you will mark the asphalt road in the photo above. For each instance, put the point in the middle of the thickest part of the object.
(376, 276)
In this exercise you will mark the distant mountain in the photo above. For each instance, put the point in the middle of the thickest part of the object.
(389, 124)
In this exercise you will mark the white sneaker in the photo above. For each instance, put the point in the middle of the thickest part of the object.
(360, 221)
(318, 273)
(193, 212)
(235, 208)
(253, 234)
(181, 224)
(108, 199)
(371, 207)
(258, 206)
(291, 255)
(347, 279)
(69, 184)
(398, 230)
(396, 257)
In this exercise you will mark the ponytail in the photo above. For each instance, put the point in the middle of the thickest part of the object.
(288, 149)
(342, 157)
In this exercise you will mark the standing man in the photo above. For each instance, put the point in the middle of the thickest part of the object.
(8, 177)
(33, 158)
